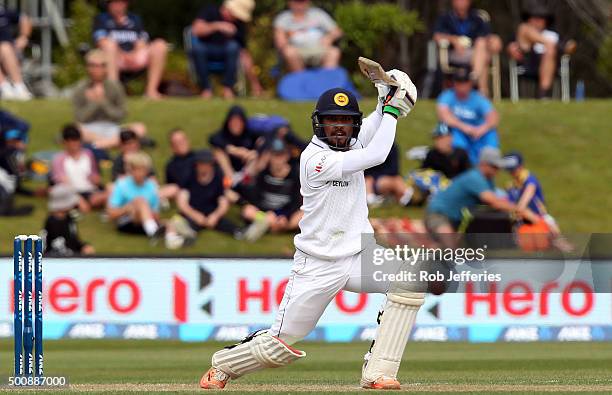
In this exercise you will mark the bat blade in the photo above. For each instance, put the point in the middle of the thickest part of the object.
(374, 72)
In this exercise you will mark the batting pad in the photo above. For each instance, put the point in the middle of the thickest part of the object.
(396, 323)
(262, 351)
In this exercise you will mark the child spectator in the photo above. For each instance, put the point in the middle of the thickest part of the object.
(122, 37)
(61, 234)
(443, 157)
(10, 51)
(471, 117)
(134, 202)
(179, 169)
(219, 34)
(234, 145)
(305, 36)
(385, 180)
(201, 204)
(129, 143)
(526, 191)
(274, 199)
(99, 104)
(77, 168)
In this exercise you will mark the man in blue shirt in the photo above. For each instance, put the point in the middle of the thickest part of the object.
(446, 209)
(121, 35)
(470, 115)
(468, 32)
(134, 202)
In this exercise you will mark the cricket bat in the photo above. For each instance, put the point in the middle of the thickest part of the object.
(374, 72)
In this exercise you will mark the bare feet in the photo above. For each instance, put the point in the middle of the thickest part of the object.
(206, 94)
(228, 93)
(153, 95)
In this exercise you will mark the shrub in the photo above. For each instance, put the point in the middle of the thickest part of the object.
(368, 27)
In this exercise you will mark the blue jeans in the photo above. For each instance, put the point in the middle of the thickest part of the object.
(215, 58)
(473, 147)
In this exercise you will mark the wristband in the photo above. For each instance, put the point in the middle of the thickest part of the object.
(392, 111)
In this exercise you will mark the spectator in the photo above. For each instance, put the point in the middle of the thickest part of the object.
(202, 204)
(13, 143)
(134, 203)
(219, 34)
(305, 36)
(129, 143)
(179, 169)
(445, 210)
(274, 199)
(99, 105)
(469, 35)
(61, 234)
(536, 47)
(443, 157)
(13, 88)
(234, 145)
(385, 180)
(526, 191)
(122, 37)
(471, 116)
(76, 167)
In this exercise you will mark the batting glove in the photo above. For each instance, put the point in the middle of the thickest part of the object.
(401, 99)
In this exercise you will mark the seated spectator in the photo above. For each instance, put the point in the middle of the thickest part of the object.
(76, 167)
(13, 143)
(219, 34)
(13, 88)
(537, 47)
(305, 37)
(443, 157)
(385, 180)
(202, 204)
(129, 143)
(526, 191)
(470, 38)
(122, 37)
(134, 202)
(234, 145)
(274, 199)
(470, 116)
(13, 132)
(445, 211)
(61, 236)
(99, 105)
(179, 169)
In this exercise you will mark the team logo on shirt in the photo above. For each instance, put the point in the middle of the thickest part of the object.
(341, 99)
(319, 165)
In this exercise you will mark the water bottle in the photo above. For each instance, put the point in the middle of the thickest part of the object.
(580, 90)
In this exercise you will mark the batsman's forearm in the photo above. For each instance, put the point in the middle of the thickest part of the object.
(376, 152)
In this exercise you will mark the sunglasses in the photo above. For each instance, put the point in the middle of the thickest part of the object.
(91, 64)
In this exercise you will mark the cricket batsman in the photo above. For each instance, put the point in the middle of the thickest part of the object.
(329, 247)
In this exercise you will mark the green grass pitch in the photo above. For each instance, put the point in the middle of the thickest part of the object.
(165, 366)
(567, 145)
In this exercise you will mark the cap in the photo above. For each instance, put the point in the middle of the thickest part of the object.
(278, 145)
(204, 156)
(462, 74)
(14, 134)
(440, 130)
(516, 159)
(62, 197)
(493, 156)
(240, 9)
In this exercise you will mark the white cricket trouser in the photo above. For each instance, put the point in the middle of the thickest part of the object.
(313, 284)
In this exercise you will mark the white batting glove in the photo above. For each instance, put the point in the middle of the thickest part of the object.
(401, 98)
